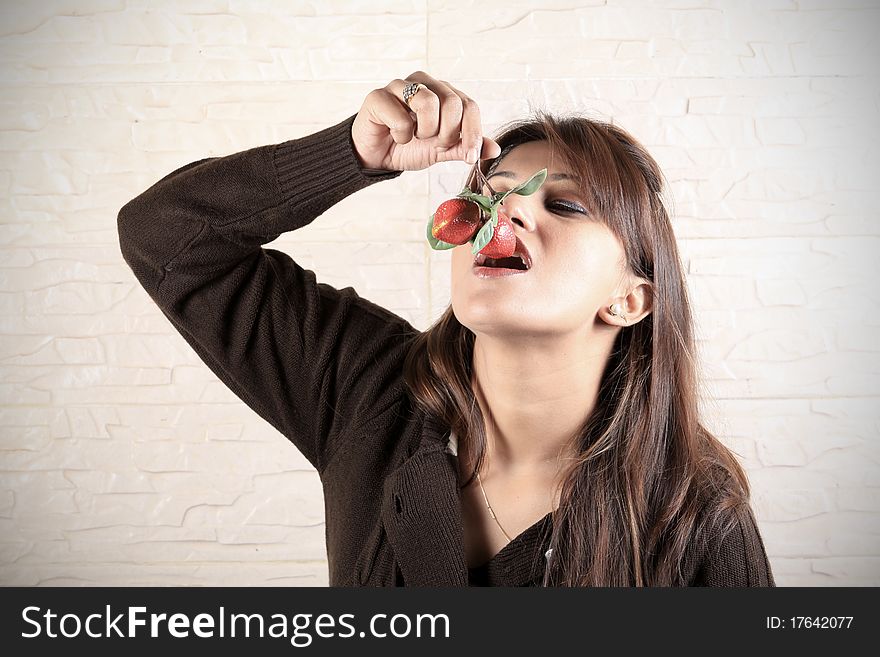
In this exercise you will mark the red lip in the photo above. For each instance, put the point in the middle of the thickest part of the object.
(495, 272)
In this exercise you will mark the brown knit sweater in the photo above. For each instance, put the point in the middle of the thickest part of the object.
(324, 367)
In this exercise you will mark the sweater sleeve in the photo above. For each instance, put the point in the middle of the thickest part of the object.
(314, 361)
(736, 558)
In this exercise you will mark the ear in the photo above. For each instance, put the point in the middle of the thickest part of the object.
(631, 308)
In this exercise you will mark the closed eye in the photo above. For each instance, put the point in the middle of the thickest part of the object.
(568, 207)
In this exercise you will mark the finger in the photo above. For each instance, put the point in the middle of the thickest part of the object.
(471, 127)
(451, 108)
(491, 149)
(387, 111)
(451, 111)
(424, 103)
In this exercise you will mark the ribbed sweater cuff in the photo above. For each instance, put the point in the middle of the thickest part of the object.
(322, 168)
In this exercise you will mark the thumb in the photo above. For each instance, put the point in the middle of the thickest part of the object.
(490, 149)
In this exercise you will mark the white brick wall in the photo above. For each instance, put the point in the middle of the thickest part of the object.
(125, 462)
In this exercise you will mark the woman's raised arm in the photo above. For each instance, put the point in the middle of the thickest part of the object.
(302, 354)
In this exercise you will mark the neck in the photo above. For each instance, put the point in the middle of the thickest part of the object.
(535, 395)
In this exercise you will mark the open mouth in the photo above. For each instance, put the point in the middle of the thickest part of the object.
(520, 260)
(513, 262)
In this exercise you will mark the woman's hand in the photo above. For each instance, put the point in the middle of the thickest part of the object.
(440, 124)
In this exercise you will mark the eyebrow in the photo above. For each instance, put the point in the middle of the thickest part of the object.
(513, 176)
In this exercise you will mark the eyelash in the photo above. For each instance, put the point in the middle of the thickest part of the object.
(574, 209)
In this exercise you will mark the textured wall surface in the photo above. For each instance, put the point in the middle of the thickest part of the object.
(125, 462)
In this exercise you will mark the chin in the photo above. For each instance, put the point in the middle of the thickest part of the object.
(492, 318)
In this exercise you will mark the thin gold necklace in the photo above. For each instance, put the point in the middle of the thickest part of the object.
(491, 512)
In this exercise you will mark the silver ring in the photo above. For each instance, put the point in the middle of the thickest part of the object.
(411, 90)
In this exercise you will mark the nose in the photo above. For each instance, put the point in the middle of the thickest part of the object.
(517, 208)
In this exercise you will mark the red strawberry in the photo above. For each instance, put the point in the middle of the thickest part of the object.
(456, 220)
(503, 242)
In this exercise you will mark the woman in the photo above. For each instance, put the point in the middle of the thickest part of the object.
(567, 391)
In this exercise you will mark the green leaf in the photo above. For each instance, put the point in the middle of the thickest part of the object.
(493, 216)
(483, 236)
(527, 188)
(531, 185)
(437, 245)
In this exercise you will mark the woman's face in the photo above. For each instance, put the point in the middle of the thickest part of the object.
(577, 262)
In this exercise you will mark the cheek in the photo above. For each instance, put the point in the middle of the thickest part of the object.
(589, 270)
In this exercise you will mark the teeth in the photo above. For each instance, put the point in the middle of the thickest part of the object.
(480, 260)
(526, 260)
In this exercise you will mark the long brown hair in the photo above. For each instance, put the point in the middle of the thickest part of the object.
(650, 479)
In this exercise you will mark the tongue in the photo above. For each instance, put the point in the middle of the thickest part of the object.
(504, 263)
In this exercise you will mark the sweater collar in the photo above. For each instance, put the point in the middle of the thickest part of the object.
(421, 511)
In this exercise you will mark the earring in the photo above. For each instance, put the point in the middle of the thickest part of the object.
(617, 311)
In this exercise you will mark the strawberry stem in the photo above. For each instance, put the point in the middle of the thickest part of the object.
(481, 178)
